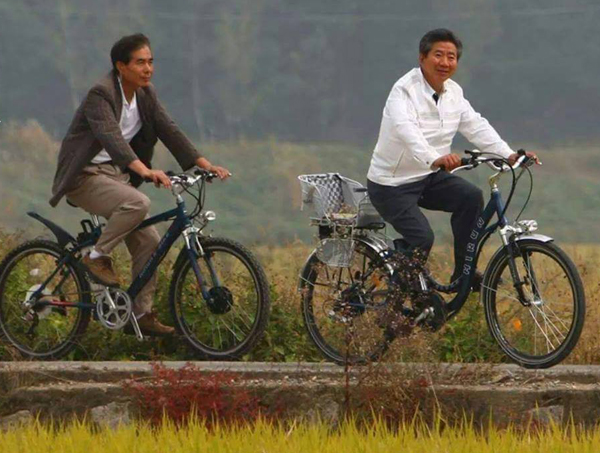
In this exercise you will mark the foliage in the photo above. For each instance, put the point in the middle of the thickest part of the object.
(305, 71)
(466, 338)
(286, 339)
(187, 393)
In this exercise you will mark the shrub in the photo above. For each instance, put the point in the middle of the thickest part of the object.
(187, 393)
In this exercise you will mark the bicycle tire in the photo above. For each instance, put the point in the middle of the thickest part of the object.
(237, 278)
(516, 327)
(16, 281)
(349, 349)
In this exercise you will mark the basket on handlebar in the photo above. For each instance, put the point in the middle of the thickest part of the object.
(341, 204)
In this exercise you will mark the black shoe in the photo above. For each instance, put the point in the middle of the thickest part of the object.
(477, 282)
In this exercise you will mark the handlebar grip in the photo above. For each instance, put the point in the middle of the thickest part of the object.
(465, 161)
(208, 174)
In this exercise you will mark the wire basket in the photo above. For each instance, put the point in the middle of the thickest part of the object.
(331, 195)
(336, 252)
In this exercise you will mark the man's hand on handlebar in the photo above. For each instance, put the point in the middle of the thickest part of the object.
(158, 177)
(514, 156)
(447, 162)
(204, 163)
(221, 172)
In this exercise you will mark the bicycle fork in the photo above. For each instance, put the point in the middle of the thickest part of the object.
(518, 283)
(195, 251)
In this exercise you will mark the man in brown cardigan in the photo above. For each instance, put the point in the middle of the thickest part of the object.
(106, 154)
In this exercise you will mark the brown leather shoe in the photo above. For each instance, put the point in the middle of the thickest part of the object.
(150, 325)
(101, 270)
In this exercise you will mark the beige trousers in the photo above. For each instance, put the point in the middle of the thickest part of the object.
(104, 190)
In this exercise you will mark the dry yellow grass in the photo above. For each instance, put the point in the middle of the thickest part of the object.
(296, 438)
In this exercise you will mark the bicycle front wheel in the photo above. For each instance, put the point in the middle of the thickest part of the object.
(41, 331)
(230, 323)
(541, 330)
(346, 309)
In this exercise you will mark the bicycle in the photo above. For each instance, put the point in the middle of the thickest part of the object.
(218, 295)
(359, 292)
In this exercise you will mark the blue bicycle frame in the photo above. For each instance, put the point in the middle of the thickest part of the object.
(479, 236)
(182, 224)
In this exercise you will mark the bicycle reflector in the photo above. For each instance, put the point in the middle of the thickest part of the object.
(209, 216)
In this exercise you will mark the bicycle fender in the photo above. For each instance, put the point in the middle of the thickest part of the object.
(534, 237)
(62, 236)
(378, 245)
(302, 281)
(524, 237)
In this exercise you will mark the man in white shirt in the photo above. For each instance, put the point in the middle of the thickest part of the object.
(423, 113)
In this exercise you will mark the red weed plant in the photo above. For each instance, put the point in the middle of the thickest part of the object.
(188, 392)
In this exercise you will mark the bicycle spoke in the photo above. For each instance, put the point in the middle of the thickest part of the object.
(227, 327)
(548, 341)
(556, 316)
(239, 311)
(553, 327)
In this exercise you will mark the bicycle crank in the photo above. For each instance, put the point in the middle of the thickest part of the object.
(433, 315)
(114, 308)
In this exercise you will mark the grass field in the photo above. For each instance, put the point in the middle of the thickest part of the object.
(301, 438)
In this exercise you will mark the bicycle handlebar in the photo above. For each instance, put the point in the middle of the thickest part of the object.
(187, 179)
(495, 163)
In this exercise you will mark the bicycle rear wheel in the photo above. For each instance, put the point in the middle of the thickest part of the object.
(542, 331)
(41, 332)
(346, 310)
(229, 324)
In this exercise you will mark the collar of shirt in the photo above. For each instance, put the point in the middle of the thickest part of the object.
(127, 105)
(428, 90)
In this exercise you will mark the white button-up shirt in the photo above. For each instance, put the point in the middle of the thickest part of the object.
(415, 131)
(130, 124)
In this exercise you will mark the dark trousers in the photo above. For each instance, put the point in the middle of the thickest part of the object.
(440, 191)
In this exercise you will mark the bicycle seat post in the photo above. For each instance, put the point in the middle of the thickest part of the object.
(95, 220)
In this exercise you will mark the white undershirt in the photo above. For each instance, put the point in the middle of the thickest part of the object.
(130, 124)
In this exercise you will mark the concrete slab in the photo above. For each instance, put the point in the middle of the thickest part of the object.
(508, 393)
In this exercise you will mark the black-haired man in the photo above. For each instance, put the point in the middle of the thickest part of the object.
(107, 151)
(423, 113)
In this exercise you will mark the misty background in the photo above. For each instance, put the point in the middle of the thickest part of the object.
(276, 88)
